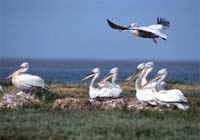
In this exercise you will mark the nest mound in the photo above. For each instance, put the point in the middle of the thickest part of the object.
(107, 104)
(10, 100)
(72, 104)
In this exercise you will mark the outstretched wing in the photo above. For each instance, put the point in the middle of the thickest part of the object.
(163, 22)
(115, 26)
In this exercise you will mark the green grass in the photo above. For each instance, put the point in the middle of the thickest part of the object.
(99, 124)
(39, 121)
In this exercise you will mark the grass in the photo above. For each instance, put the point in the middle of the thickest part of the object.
(39, 121)
(99, 124)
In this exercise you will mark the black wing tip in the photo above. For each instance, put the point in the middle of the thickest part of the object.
(115, 26)
(163, 21)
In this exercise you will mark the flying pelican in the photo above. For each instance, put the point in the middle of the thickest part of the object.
(144, 95)
(151, 31)
(168, 97)
(116, 90)
(26, 82)
(95, 92)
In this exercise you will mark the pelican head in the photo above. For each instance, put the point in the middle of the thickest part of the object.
(149, 66)
(22, 69)
(140, 68)
(95, 72)
(113, 71)
(162, 73)
(132, 25)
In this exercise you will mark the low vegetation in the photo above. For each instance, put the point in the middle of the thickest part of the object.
(40, 121)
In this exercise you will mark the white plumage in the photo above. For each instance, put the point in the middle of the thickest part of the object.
(26, 81)
(115, 89)
(151, 31)
(95, 92)
(153, 92)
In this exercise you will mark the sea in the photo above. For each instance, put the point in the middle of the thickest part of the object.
(71, 71)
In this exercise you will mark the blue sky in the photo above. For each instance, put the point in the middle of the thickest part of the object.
(76, 29)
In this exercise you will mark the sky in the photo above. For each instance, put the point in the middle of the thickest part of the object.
(77, 29)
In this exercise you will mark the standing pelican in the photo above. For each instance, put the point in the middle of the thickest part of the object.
(144, 95)
(95, 92)
(116, 90)
(152, 31)
(168, 97)
(26, 82)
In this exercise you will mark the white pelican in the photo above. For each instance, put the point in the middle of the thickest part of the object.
(95, 92)
(144, 95)
(116, 90)
(153, 83)
(149, 67)
(1, 89)
(152, 31)
(160, 85)
(26, 82)
(169, 97)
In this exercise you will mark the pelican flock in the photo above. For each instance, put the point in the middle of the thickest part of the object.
(155, 94)
(104, 88)
(152, 31)
(26, 82)
(148, 92)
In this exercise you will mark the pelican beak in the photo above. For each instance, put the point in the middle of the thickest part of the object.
(88, 76)
(132, 77)
(107, 77)
(10, 76)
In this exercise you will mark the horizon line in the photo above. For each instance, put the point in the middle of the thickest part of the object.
(96, 59)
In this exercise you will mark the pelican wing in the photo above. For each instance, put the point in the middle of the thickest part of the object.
(153, 31)
(115, 26)
(31, 80)
(163, 22)
(156, 26)
(171, 96)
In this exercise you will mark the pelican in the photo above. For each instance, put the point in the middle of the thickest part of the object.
(1, 89)
(168, 97)
(153, 83)
(26, 82)
(161, 74)
(144, 95)
(95, 92)
(151, 31)
(116, 90)
(149, 67)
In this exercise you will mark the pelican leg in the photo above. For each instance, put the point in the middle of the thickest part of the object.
(154, 40)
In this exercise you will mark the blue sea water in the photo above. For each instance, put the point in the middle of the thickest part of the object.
(73, 70)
